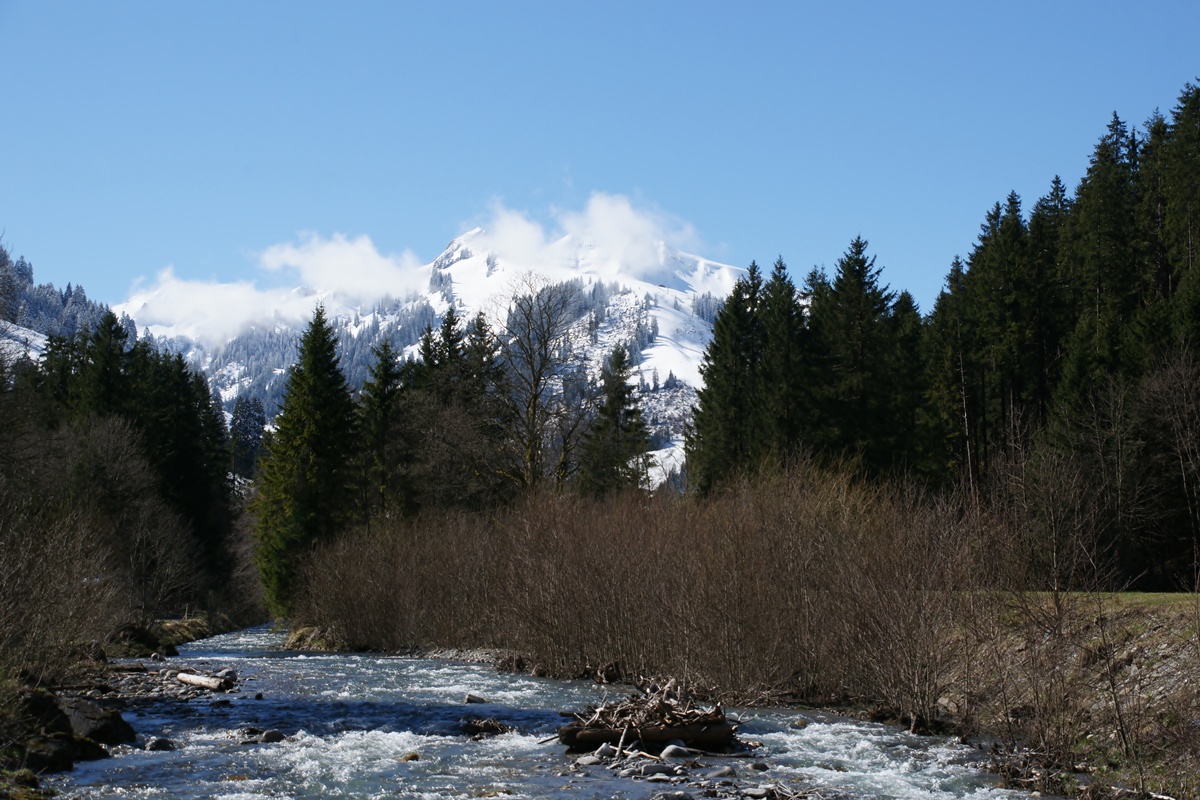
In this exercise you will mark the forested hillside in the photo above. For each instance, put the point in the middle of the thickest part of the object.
(1059, 367)
(116, 505)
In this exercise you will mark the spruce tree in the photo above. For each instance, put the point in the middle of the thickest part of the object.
(850, 321)
(953, 411)
(383, 448)
(615, 446)
(307, 485)
(1050, 312)
(907, 379)
(719, 441)
(785, 399)
(246, 434)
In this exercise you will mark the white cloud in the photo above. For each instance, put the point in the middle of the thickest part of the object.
(613, 234)
(610, 233)
(628, 237)
(207, 310)
(352, 270)
(341, 272)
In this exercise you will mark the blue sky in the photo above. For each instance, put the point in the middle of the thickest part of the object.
(197, 136)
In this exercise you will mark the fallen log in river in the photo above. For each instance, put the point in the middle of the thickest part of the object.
(211, 683)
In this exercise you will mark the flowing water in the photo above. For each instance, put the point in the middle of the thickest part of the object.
(351, 720)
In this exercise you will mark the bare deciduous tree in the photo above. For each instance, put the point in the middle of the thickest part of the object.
(536, 349)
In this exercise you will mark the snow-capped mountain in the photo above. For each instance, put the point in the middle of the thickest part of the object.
(657, 301)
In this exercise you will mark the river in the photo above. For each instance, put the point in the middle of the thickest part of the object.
(352, 719)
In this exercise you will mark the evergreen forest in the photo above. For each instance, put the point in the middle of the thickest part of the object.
(1064, 348)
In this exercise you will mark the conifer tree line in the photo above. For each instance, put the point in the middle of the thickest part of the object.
(1070, 336)
(116, 507)
(477, 419)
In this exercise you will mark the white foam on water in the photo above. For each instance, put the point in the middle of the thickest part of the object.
(876, 761)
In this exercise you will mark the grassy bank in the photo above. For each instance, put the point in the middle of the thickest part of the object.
(808, 587)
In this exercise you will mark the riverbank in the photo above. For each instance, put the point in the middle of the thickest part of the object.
(370, 725)
(42, 726)
(809, 588)
(1089, 695)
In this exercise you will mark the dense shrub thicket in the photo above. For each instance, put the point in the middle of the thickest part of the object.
(806, 585)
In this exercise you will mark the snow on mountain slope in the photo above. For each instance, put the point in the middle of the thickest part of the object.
(657, 301)
(482, 279)
(17, 342)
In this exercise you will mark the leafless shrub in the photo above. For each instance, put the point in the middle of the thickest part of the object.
(241, 598)
(58, 587)
(1173, 391)
(107, 474)
(810, 584)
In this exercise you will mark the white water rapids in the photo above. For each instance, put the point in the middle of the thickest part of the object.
(352, 719)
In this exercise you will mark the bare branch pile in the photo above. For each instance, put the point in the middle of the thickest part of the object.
(655, 718)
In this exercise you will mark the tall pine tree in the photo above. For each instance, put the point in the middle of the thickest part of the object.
(307, 489)
(720, 440)
(246, 434)
(615, 446)
(785, 396)
(850, 325)
(384, 450)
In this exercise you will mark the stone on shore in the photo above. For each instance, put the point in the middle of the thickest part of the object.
(92, 721)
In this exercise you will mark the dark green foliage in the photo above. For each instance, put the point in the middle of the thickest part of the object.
(1050, 342)
(307, 488)
(456, 434)
(103, 373)
(246, 434)
(383, 450)
(852, 345)
(1060, 341)
(9, 296)
(783, 371)
(724, 423)
(905, 376)
(845, 380)
(614, 449)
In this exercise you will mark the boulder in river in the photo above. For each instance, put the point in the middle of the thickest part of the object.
(93, 721)
(54, 753)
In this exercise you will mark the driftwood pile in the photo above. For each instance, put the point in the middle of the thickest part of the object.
(652, 719)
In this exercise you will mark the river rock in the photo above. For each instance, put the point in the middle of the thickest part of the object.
(588, 761)
(87, 750)
(473, 698)
(646, 770)
(226, 674)
(50, 753)
(722, 772)
(160, 745)
(272, 736)
(41, 709)
(675, 751)
(759, 766)
(606, 750)
(92, 721)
